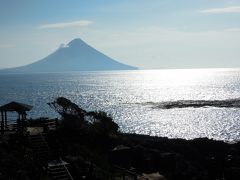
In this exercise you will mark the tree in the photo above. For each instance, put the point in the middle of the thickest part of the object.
(67, 108)
(75, 117)
(103, 123)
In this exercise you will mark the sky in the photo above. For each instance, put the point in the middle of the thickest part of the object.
(149, 34)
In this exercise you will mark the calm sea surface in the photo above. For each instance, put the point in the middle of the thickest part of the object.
(130, 97)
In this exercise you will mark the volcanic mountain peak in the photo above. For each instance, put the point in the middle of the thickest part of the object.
(75, 56)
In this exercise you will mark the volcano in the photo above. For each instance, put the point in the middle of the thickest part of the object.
(75, 56)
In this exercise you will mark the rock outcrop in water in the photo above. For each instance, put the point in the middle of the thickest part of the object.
(75, 56)
(227, 103)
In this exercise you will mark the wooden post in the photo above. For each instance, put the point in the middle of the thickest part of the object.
(56, 121)
(2, 123)
(5, 114)
(18, 121)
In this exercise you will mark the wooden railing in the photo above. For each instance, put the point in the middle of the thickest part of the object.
(70, 176)
(50, 124)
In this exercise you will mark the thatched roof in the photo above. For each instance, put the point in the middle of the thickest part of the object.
(16, 106)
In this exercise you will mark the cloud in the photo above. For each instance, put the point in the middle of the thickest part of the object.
(232, 9)
(81, 23)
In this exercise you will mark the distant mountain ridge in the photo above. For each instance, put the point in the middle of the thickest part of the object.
(75, 56)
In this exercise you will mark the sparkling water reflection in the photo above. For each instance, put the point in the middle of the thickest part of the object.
(124, 94)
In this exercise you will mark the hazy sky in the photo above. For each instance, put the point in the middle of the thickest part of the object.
(143, 33)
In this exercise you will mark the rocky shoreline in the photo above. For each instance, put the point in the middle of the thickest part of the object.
(184, 159)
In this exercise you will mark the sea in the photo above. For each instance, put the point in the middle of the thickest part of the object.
(140, 101)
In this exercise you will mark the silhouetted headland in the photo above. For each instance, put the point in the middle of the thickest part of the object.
(89, 145)
(227, 103)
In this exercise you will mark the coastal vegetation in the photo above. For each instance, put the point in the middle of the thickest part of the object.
(95, 149)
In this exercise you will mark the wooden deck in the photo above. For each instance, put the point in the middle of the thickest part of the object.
(34, 130)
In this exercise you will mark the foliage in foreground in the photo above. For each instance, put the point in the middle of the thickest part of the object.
(16, 160)
(81, 133)
(76, 118)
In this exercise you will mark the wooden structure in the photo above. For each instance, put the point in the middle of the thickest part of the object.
(20, 108)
